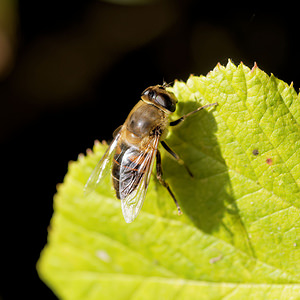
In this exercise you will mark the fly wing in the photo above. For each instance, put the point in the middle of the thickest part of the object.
(134, 188)
(102, 167)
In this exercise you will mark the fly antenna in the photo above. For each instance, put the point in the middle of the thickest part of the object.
(166, 84)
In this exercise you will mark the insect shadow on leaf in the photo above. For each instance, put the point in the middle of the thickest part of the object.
(207, 198)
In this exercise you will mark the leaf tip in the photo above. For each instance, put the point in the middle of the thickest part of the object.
(230, 64)
(217, 68)
(80, 156)
(89, 151)
(255, 67)
(58, 185)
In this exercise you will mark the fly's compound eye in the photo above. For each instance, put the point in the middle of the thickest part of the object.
(160, 97)
(150, 94)
(165, 101)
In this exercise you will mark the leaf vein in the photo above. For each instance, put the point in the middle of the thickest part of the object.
(258, 125)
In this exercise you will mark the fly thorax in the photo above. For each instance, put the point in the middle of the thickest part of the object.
(144, 119)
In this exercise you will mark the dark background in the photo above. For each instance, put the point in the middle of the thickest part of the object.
(71, 71)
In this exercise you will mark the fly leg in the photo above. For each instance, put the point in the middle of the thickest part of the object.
(176, 122)
(163, 182)
(176, 156)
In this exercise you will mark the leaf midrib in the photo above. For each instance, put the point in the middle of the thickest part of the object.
(128, 276)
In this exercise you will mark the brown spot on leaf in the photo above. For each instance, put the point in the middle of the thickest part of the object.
(255, 152)
(269, 161)
(215, 259)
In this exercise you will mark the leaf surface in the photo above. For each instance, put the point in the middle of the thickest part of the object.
(239, 235)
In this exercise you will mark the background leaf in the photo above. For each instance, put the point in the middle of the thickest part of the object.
(239, 234)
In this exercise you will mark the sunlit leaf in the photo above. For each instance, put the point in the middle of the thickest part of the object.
(239, 235)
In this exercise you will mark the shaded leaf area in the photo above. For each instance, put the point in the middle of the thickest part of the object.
(239, 234)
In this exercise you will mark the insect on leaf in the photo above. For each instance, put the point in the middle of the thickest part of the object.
(239, 235)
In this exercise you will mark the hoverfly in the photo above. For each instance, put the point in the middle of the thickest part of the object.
(134, 148)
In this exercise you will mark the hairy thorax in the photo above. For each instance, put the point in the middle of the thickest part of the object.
(143, 120)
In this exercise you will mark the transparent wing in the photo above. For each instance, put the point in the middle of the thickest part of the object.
(102, 167)
(138, 185)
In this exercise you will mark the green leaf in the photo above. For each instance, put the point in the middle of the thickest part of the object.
(239, 236)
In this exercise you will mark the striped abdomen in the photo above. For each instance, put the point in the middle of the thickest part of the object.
(128, 169)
